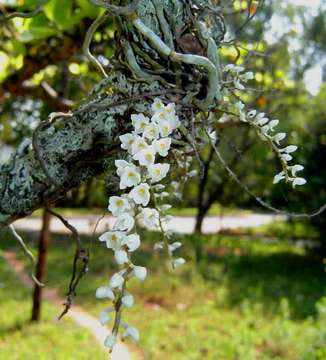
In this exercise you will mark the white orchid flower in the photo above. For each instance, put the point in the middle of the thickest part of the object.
(165, 128)
(132, 242)
(151, 132)
(121, 165)
(113, 239)
(139, 122)
(157, 172)
(146, 157)
(162, 146)
(124, 222)
(138, 145)
(157, 105)
(118, 205)
(140, 194)
(149, 218)
(130, 176)
(126, 141)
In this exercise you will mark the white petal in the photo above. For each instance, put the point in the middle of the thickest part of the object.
(251, 114)
(158, 246)
(121, 257)
(238, 84)
(132, 332)
(296, 168)
(140, 272)
(128, 301)
(179, 262)
(140, 194)
(174, 246)
(116, 280)
(104, 292)
(110, 341)
(192, 173)
(104, 237)
(272, 124)
(278, 177)
(248, 75)
(298, 182)
(132, 241)
(279, 137)
(290, 149)
(124, 222)
(286, 157)
(157, 105)
(104, 317)
(239, 105)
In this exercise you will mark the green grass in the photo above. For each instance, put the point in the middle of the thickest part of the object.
(284, 229)
(243, 300)
(21, 340)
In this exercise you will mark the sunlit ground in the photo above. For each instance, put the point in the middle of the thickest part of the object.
(242, 299)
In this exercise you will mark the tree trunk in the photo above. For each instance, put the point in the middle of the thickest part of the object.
(200, 219)
(41, 266)
(201, 206)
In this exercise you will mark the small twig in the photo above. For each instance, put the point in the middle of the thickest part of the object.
(258, 199)
(26, 15)
(129, 100)
(28, 254)
(81, 254)
(87, 42)
(117, 10)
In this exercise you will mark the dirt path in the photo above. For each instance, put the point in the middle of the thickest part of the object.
(82, 318)
(180, 224)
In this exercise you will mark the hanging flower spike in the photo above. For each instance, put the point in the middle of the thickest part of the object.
(140, 179)
(264, 127)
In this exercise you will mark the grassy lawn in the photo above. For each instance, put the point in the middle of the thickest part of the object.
(243, 300)
(49, 340)
(284, 229)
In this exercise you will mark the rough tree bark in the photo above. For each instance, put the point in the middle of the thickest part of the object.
(163, 48)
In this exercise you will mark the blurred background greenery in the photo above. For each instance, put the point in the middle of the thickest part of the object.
(251, 294)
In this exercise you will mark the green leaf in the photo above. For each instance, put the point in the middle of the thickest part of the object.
(60, 12)
(15, 47)
(37, 28)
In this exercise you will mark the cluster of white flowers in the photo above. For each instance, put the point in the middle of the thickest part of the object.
(140, 178)
(266, 130)
(264, 126)
(238, 76)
